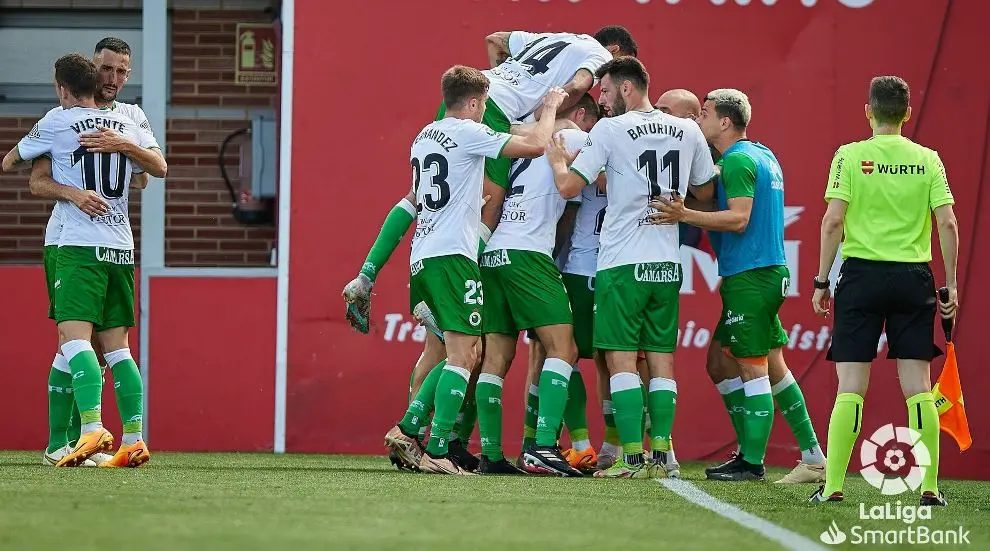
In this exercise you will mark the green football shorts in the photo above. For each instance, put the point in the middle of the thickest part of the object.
(94, 284)
(523, 290)
(749, 324)
(637, 307)
(451, 286)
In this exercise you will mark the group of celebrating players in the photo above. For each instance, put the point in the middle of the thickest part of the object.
(85, 154)
(539, 209)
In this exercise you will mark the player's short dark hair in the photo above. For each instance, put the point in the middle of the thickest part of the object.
(626, 68)
(589, 104)
(616, 35)
(461, 83)
(889, 99)
(78, 74)
(113, 44)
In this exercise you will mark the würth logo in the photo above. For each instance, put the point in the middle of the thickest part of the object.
(867, 167)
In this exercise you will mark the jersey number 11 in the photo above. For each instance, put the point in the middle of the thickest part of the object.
(109, 187)
(671, 160)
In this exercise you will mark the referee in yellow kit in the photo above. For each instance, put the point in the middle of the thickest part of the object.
(881, 193)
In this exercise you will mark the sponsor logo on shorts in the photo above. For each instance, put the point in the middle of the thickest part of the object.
(731, 318)
(657, 273)
(416, 267)
(474, 319)
(114, 256)
(495, 259)
(58, 283)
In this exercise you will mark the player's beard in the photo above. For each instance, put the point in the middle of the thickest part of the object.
(619, 107)
(104, 96)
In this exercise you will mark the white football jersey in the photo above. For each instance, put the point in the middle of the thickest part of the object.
(108, 174)
(645, 154)
(583, 256)
(537, 63)
(132, 111)
(532, 203)
(448, 166)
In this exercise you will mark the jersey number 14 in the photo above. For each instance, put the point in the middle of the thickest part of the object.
(96, 166)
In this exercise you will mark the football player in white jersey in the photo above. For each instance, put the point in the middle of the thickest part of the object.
(94, 273)
(112, 57)
(646, 153)
(447, 161)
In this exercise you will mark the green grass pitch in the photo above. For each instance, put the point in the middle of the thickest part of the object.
(298, 502)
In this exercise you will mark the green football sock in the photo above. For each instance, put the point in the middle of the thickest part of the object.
(790, 402)
(923, 417)
(451, 389)
(465, 422)
(662, 404)
(611, 433)
(532, 409)
(553, 400)
(72, 432)
(575, 414)
(489, 399)
(418, 413)
(627, 401)
(758, 421)
(129, 390)
(843, 429)
(60, 404)
(733, 396)
(87, 381)
(395, 226)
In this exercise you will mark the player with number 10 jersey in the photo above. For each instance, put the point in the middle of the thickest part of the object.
(96, 253)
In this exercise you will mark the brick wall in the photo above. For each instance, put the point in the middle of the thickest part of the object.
(206, 107)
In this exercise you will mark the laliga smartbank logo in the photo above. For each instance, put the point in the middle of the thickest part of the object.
(894, 461)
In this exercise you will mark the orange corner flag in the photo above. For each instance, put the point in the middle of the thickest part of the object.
(949, 401)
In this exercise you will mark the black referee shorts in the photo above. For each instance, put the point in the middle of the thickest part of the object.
(870, 295)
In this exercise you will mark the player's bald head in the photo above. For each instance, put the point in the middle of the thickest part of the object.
(679, 103)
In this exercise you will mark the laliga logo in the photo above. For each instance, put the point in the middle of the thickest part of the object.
(894, 459)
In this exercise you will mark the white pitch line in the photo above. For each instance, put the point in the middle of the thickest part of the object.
(767, 529)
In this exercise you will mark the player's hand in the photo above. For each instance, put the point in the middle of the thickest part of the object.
(485, 199)
(671, 211)
(821, 301)
(948, 310)
(557, 152)
(554, 98)
(104, 140)
(90, 202)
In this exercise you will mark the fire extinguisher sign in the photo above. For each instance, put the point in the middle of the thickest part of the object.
(257, 55)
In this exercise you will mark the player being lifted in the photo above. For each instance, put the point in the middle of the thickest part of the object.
(524, 291)
(94, 273)
(112, 57)
(646, 154)
(447, 162)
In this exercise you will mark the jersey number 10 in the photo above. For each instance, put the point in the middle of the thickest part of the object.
(109, 187)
